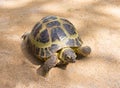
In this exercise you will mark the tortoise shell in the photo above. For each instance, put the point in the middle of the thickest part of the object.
(51, 34)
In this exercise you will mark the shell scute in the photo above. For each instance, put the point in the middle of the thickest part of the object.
(36, 29)
(44, 36)
(54, 47)
(53, 23)
(37, 50)
(70, 29)
(57, 34)
(48, 52)
(71, 42)
(48, 18)
(42, 54)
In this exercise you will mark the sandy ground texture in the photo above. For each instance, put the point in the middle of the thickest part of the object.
(98, 23)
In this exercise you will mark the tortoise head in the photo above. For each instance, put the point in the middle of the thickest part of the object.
(69, 55)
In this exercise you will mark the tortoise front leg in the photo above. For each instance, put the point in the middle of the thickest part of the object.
(50, 63)
(84, 51)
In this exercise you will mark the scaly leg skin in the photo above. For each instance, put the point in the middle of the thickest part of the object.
(84, 51)
(50, 63)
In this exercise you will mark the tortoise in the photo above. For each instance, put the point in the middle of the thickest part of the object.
(55, 41)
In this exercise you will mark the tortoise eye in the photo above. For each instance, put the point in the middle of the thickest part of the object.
(67, 57)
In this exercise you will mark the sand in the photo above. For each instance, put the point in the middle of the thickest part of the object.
(98, 23)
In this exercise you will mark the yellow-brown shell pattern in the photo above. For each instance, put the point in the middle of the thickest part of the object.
(51, 34)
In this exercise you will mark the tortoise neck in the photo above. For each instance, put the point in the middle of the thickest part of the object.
(61, 54)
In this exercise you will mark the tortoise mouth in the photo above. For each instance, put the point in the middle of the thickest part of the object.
(73, 61)
(70, 60)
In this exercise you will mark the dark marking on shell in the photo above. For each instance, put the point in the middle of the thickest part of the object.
(36, 29)
(53, 23)
(29, 45)
(79, 39)
(70, 29)
(54, 48)
(48, 53)
(37, 50)
(28, 41)
(57, 34)
(46, 19)
(44, 36)
(33, 48)
(42, 52)
(77, 42)
(65, 20)
(71, 42)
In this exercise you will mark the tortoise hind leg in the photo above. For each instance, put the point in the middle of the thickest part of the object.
(50, 63)
(84, 51)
